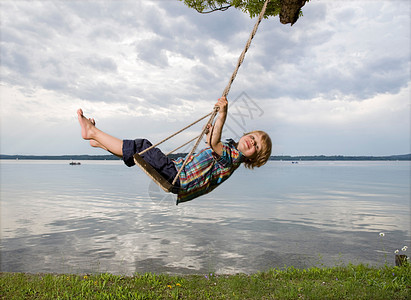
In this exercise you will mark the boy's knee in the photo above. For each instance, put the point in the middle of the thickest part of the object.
(131, 147)
(128, 153)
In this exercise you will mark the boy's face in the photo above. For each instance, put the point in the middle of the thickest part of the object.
(249, 145)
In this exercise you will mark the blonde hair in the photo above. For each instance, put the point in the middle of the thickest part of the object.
(264, 154)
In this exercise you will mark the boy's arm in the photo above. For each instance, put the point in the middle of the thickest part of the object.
(215, 138)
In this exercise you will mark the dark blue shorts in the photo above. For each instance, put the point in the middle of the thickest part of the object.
(157, 159)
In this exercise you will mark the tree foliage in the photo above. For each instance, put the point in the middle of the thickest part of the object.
(289, 10)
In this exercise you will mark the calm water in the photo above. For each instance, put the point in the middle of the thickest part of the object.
(105, 217)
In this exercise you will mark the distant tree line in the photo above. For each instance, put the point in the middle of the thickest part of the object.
(341, 157)
(174, 156)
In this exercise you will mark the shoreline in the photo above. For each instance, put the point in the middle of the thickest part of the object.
(403, 157)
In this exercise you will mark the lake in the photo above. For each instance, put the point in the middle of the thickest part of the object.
(101, 216)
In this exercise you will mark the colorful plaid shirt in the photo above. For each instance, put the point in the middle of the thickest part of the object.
(206, 170)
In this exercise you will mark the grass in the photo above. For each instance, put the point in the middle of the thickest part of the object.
(343, 282)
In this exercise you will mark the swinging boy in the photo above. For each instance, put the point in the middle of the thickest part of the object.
(204, 170)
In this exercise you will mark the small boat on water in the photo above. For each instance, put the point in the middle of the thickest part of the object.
(73, 163)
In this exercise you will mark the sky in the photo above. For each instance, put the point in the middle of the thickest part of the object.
(337, 82)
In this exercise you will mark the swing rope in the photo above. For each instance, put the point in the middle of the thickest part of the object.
(179, 147)
(174, 134)
(228, 87)
(151, 172)
(247, 46)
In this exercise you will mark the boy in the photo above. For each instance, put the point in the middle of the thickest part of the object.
(204, 170)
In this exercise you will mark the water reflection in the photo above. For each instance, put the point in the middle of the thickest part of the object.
(103, 217)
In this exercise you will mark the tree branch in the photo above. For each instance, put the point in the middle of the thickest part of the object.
(213, 8)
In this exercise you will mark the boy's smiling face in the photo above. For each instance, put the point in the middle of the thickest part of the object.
(250, 144)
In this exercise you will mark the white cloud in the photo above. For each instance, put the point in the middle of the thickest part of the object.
(343, 65)
(374, 126)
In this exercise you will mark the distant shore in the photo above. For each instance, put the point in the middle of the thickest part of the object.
(403, 157)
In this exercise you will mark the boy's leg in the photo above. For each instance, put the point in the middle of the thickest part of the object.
(97, 137)
(94, 143)
(127, 148)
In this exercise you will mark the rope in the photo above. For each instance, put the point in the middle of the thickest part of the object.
(205, 129)
(228, 87)
(241, 58)
(179, 147)
(174, 134)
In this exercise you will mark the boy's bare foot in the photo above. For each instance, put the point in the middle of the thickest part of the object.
(94, 143)
(97, 137)
(87, 125)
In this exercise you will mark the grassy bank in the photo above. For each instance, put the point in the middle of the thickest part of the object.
(348, 282)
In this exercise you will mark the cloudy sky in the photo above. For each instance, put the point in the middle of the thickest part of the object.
(335, 83)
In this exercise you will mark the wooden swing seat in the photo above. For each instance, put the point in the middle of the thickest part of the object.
(154, 175)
